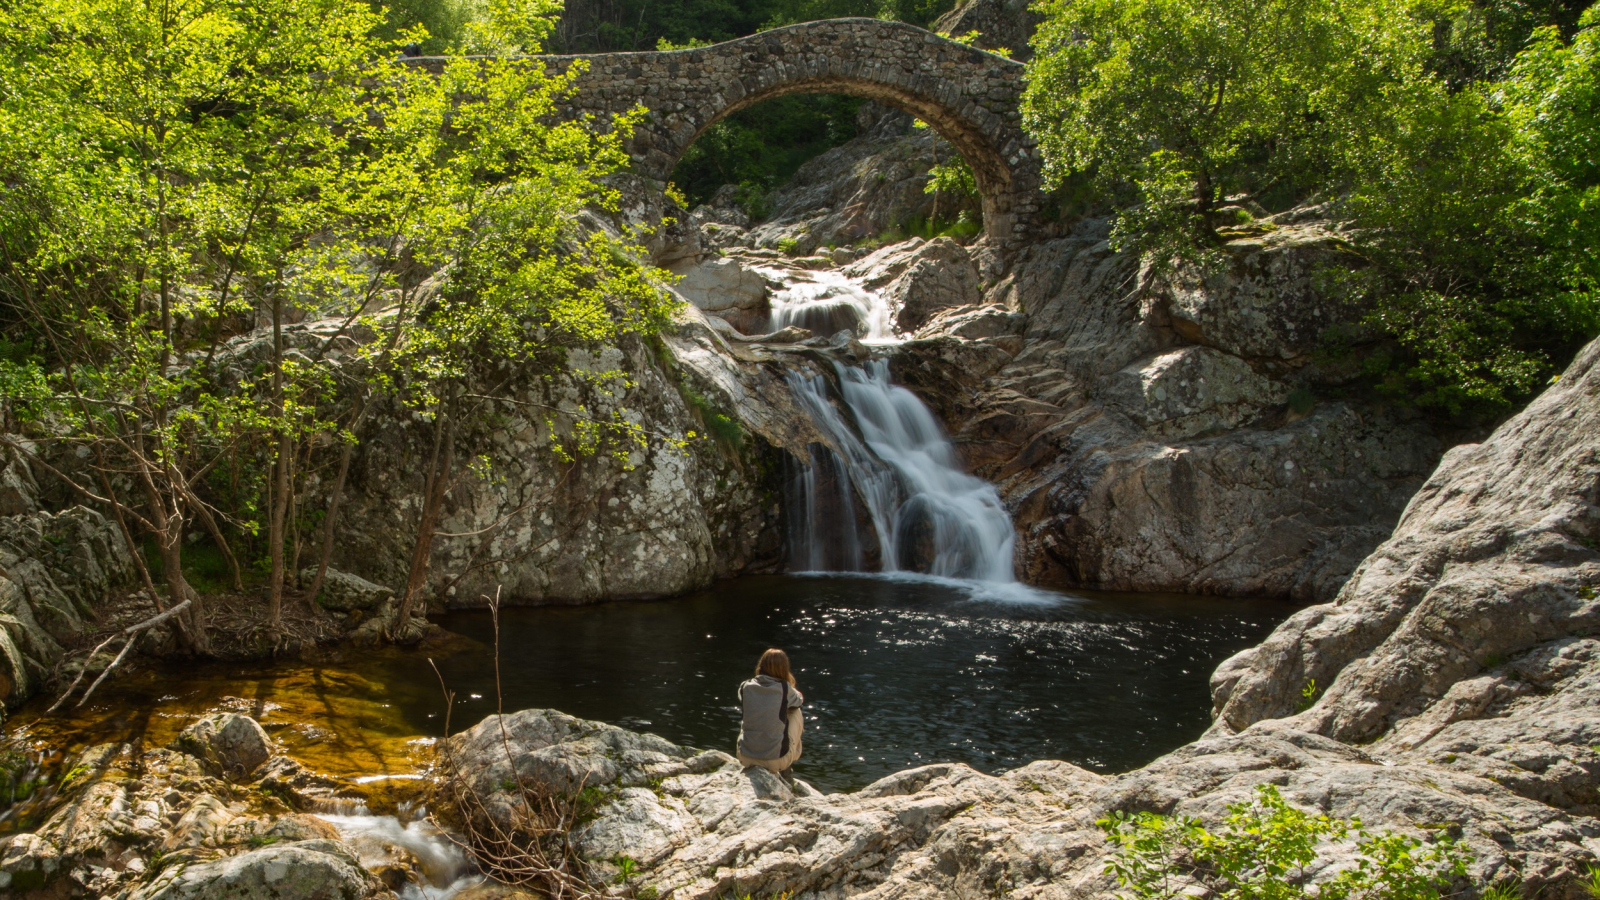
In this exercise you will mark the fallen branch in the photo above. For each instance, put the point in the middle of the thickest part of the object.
(132, 633)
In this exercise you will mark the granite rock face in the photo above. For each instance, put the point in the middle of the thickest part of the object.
(56, 568)
(304, 870)
(1175, 433)
(1484, 596)
(636, 520)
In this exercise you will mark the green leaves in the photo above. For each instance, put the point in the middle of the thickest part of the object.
(1475, 205)
(1268, 850)
(1176, 104)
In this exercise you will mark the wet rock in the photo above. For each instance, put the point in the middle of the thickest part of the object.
(230, 744)
(307, 870)
(343, 592)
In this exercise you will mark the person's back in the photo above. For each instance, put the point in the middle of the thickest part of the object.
(769, 732)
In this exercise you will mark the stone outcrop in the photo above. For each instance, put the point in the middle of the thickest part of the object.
(1481, 605)
(650, 519)
(304, 870)
(230, 745)
(868, 186)
(1176, 433)
(1000, 25)
(162, 825)
(56, 569)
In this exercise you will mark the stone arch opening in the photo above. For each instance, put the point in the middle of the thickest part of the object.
(993, 176)
(968, 96)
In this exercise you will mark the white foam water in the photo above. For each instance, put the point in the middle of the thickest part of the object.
(442, 862)
(826, 302)
(930, 517)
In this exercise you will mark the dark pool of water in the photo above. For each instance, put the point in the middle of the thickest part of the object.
(895, 674)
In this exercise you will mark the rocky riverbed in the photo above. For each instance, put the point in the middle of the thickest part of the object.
(1448, 690)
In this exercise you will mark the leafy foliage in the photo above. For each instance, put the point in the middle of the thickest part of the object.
(1268, 850)
(187, 182)
(1472, 200)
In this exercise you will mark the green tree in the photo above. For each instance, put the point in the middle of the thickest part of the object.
(489, 203)
(186, 183)
(167, 159)
(1174, 105)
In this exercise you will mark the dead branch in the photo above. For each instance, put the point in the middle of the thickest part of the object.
(132, 633)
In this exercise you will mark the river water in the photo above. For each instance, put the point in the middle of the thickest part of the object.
(897, 672)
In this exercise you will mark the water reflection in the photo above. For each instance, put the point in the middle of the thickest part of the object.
(896, 672)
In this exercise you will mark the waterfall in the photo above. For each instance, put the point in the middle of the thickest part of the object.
(826, 303)
(928, 515)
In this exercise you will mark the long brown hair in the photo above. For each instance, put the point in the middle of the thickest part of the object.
(775, 663)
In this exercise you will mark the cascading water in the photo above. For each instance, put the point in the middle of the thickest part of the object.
(929, 516)
(827, 302)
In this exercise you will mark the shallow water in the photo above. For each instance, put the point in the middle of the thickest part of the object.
(896, 673)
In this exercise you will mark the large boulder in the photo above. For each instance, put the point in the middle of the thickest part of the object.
(729, 289)
(230, 744)
(1497, 558)
(304, 870)
(343, 592)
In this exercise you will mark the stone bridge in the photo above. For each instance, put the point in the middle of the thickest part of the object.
(968, 96)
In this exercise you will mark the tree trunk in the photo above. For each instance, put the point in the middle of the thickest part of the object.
(280, 476)
(280, 505)
(328, 522)
(436, 486)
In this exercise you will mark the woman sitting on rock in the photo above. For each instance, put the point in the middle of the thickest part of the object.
(769, 736)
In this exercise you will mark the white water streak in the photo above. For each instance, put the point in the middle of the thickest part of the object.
(928, 513)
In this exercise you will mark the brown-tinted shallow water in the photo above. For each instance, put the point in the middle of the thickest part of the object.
(896, 673)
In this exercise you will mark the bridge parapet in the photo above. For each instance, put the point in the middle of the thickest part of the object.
(969, 96)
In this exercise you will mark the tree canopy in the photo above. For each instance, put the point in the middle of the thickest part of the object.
(229, 227)
(1455, 142)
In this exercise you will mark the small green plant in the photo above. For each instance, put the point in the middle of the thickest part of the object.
(257, 841)
(74, 777)
(1265, 848)
(1505, 891)
(1309, 694)
(1586, 592)
(1591, 882)
(789, 245)
(1301, 401)
(648, 892)
(627, 868)
(676, 196)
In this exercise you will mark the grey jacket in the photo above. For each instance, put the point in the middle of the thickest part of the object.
(765, 716)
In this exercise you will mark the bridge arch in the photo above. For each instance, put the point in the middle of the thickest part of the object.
(970, 97)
